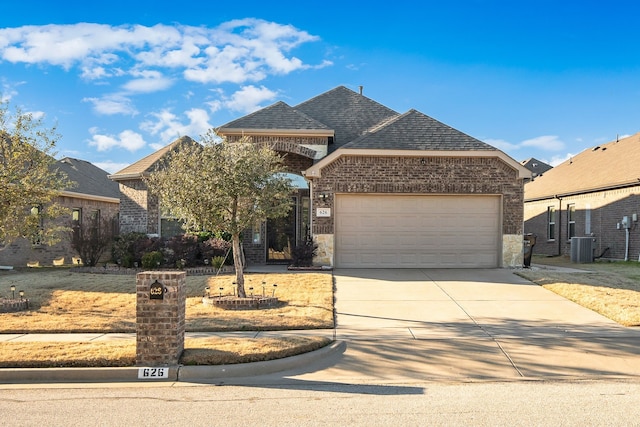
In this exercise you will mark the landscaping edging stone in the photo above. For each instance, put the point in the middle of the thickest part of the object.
(13, 305)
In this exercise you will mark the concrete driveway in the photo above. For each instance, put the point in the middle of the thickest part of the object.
(413, 325)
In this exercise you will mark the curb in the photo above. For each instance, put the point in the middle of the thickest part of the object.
(193, 373)
(175, 373)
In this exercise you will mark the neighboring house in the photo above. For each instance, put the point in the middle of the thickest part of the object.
(594, 194)
(93, 196)
(536, 167)
(139, 208)
(380, 190)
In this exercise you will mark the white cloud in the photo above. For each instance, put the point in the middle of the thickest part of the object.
(556, 160)
(501, 144)
(112, 104)
(128, 139)
(148, 81)
(237, 51)
(169, 126)
(111, 167)
(249, 98)
(545, 142)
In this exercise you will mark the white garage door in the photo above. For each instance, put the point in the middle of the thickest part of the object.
(407, 231)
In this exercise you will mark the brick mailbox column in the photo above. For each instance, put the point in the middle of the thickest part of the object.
(160, 317)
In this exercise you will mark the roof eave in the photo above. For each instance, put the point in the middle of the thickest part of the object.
(125, 176)
(89, 197)
(276, 132)
(583, 191)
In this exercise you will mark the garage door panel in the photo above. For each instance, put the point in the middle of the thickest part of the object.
(417, 231)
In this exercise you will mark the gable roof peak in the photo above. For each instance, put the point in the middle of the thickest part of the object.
(146, 164)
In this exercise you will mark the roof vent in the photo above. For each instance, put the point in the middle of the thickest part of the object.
(361, 87)
(595, 148)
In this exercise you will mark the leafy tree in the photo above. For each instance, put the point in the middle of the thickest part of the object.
(29, 182)
(91, 238)
(221, 185)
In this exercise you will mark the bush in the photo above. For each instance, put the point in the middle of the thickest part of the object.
(217, 262)
(216, 247)
(303, 253)
(122, 252)
(183, 249)
(152, 259)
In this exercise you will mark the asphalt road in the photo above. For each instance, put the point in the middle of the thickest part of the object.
(298, 403)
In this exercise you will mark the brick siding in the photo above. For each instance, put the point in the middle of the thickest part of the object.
(21, 252)
(421, 175)
(605, 209)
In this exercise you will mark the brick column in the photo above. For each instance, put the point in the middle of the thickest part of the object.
(160, 318)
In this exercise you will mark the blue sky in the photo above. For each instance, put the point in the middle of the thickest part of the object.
(543, 79)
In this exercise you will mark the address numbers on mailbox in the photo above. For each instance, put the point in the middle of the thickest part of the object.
(156, 291)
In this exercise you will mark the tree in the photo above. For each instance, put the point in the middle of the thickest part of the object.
(28, 181)
(91, 238)
(220, 185)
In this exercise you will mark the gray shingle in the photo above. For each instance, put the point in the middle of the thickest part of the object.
(90, 179)
(277, 116)
(414, 130)
(348, 113)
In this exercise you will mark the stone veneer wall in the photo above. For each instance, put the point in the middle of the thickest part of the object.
(422, 175)
(160, 324)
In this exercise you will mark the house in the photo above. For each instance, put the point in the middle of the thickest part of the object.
(536, 167)
(593, 196)
(375, 188)
(94, 195)
(139, 208)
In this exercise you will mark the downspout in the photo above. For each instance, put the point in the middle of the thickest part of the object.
(559, 224)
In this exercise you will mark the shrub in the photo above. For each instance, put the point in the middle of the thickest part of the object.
(183, 249)
(122, 251)
(152, 259)
(303, 253)
(216, 247)
(217, 262)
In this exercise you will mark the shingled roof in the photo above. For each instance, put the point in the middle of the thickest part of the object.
(414, 130)
(348, 113)
(606, 166)
(147, 164)
(278, 116)
(536, 166)
(89, 179)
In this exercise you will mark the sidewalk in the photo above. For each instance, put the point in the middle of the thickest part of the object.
(403, 326)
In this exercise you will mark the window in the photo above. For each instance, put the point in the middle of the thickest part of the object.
(551, 223)
(571, 221)
(256, 236)
(76, 216)
(38, 225)
(587, 219)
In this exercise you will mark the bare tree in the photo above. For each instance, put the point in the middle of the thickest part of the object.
(91, 238)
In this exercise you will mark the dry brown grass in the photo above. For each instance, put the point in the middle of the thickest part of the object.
(63, 301)
(198, 351)
(66, 302)
(609, 288)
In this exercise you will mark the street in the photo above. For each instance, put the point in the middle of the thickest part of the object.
(299, 403)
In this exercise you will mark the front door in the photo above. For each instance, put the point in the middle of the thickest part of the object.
(284, 233)
(281, 236)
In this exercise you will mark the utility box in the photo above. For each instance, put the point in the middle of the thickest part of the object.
(582, 249)
(529, 240)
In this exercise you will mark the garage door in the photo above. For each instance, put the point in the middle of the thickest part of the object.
(396, 231)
